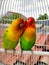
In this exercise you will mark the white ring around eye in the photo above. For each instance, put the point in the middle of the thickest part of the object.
(21, 24)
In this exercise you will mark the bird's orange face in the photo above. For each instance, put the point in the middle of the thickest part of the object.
(22, 26)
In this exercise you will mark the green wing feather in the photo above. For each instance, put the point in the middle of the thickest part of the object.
(7, 43)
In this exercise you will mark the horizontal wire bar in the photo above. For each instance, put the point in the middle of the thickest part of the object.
(26, 52)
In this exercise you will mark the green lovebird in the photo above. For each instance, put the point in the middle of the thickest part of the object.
(12, 34)
(28, 38)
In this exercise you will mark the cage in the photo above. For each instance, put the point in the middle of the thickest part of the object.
(39, 9)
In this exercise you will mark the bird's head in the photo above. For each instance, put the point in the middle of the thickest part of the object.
(18, 25)
(31, 22)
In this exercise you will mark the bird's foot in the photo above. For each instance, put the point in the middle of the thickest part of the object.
(32, 56)
(20, 58)
(32, 51)
(14, 52)
(6, 51)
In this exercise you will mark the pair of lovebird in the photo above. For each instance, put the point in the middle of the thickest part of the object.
(20, 29)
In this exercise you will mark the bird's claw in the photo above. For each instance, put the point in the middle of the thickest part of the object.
(14, 52)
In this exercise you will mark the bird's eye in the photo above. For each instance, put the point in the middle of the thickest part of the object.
(6, 30)
(21, 25)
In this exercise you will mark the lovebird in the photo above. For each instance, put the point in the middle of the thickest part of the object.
(28, 38)
(12, 34)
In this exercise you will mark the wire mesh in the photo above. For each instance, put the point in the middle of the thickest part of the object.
(27, 8)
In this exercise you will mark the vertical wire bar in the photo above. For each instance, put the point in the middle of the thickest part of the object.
(47, 11)
(2, 7)
(17, 7)
(21, 8)
(1, 3)
(11, 8)
(25, 9)
(8, 7)
(40, 9)
(36, 14)
(2, 13)
(32, 9)
(39, 23)
(47, 5)
(45, 22)
(48, 17)
(5, 9)
(44, 12)
(30, 16)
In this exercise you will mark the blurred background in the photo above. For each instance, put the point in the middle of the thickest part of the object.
(28, 8)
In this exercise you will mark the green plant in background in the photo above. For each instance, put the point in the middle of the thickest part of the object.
(42, 17)
(14, 16)
(0, 21)
(9, 16)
